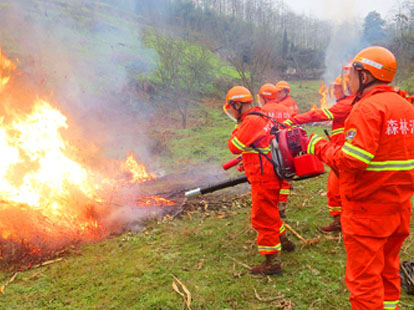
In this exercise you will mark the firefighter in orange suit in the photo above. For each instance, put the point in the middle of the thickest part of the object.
(404, 94)
(337, 114)
(376, 174)
(267, 98)
(284, 98)
(251, 136)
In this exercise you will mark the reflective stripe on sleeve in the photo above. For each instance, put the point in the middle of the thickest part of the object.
(262, 150)
(391, 305)
(327, 113)
(236, 142)
(337, 131)
(311, 144)
(357, 153)
(288, 122)
(391, 165)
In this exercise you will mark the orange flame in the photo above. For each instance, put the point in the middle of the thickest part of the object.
(323, 91)
(48, 199)
(314, 107)
(138, 172)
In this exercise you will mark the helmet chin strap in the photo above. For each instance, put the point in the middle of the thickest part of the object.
(362, 87)
(238, 110)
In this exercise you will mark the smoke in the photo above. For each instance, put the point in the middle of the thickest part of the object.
(86, 53)
(344, 43)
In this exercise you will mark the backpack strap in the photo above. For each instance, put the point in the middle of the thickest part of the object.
(275, 122)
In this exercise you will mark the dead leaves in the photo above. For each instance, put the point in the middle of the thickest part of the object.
(278, 302)
(185, 294)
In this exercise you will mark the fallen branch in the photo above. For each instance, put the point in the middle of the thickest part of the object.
(7, 283)
(270, 299)
(187, 296)
(47, 263)
(296, 234)
(240, 263)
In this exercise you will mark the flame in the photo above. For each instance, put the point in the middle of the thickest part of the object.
(6, 65)
(323, 91)
(154, 201)
(314, 107)
(48, 197)
(138, 172)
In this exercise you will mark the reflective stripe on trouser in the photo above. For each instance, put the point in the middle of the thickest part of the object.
(284, 191)
(391, 305)
(265, 217)
(334, 197)
(372, 266)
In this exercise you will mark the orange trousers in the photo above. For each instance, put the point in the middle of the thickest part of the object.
(284, 191)
(265, 217)
(373, 263)
(334, 197)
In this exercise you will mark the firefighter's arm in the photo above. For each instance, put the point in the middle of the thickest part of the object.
(341, 110)
(362, 135)
(319, 115)
(325, 150)
(250, 130)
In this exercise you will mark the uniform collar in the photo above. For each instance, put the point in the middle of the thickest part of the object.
(259, 109)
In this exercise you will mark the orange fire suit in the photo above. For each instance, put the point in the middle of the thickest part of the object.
(376, 174)
(290, 103)
(280, 113)
(337, 114)
(254, 131)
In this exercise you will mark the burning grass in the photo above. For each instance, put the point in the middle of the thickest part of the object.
(55, 189)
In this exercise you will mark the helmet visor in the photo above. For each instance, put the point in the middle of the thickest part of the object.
(226, 109)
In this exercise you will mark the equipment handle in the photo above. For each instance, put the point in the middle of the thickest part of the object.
(231, 163)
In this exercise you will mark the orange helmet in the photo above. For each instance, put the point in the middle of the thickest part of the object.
(281, 85)
(268, 91)
(379, 61)
(338, 81)
(238, 94)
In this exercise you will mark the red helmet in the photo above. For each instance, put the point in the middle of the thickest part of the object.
(379, 61)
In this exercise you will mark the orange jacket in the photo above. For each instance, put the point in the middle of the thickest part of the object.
(254, 130)
(376, 163)
(277, 111)
(337, 114)
(291, 104)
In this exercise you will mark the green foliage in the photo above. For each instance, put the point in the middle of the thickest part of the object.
(373, 28)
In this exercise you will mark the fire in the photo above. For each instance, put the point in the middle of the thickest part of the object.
(48, 198)
(314, 107)
(323, 92)
(154, 201)
(138, 172)
(6, 65)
